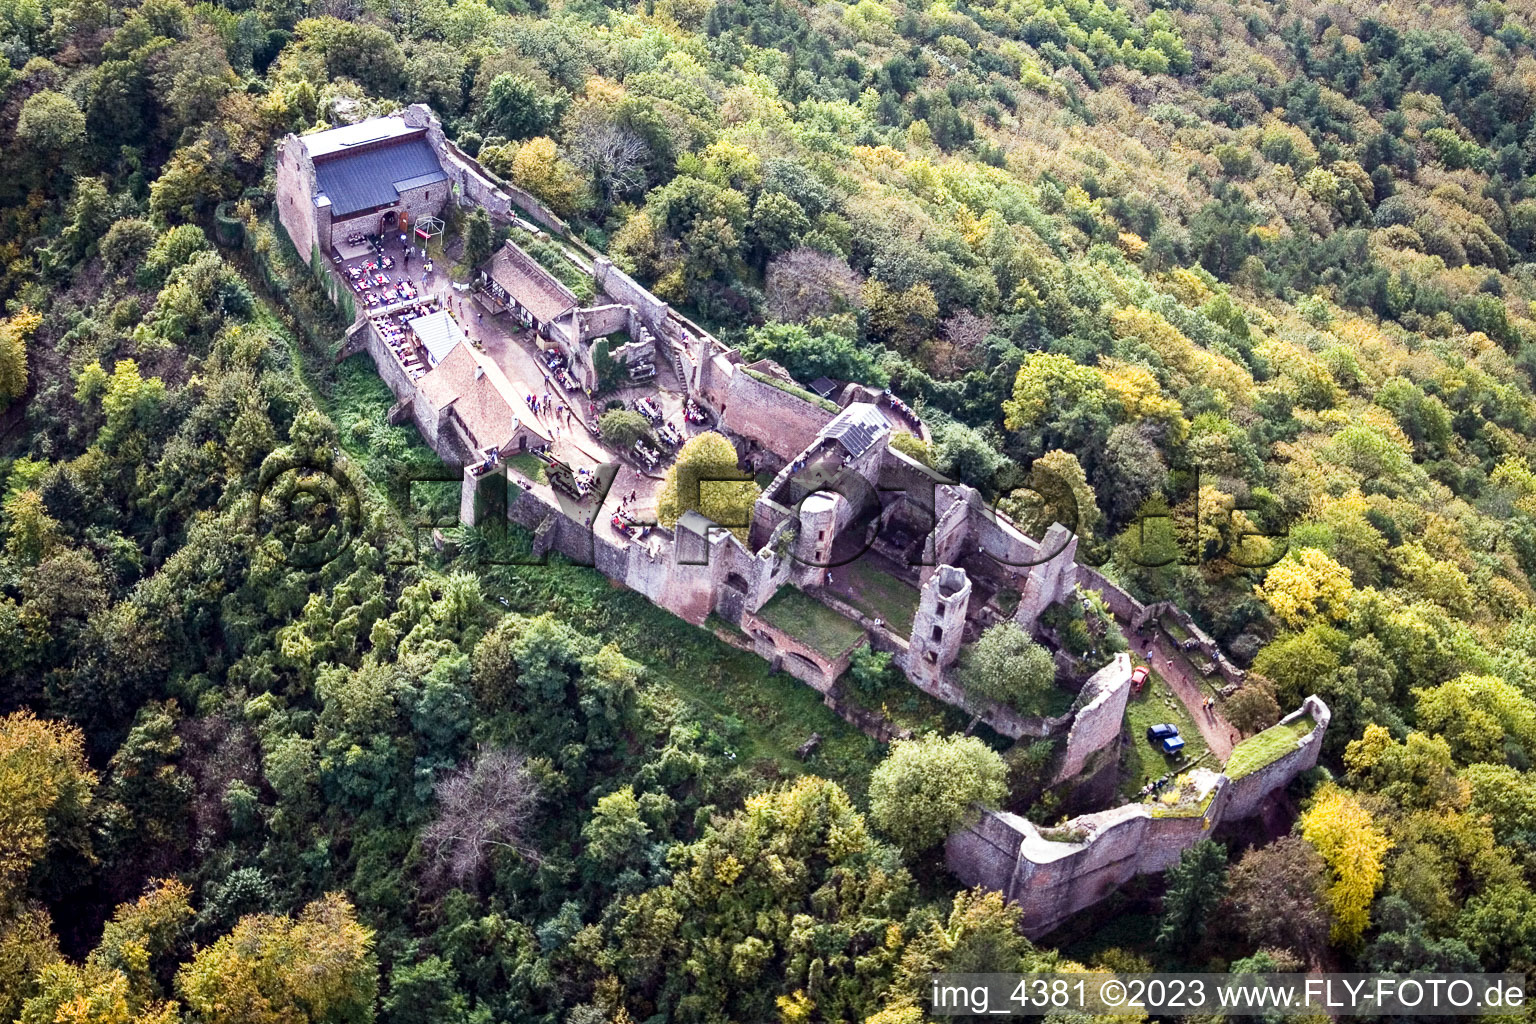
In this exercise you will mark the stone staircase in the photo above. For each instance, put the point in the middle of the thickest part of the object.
(678, 366)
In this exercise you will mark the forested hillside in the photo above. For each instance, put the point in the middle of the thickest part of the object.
(1255, 280)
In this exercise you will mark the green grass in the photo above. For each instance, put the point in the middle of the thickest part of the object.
(877, 593)
(528, 465)
(1140, 762)
(811, 622)
(907, 707)
(1174, 628)
(1051, 703)
(1267, 747)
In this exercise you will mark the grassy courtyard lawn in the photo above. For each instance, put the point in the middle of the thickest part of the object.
(1267, 747)
(528, 465)
(1051, 703)
(1140, 762)
(811, 622)
(878, 594)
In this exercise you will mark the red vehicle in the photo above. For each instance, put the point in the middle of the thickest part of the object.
(1139, 678)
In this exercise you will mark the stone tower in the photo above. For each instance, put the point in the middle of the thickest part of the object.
(1050, 580)
(939, 624)
(819, 514)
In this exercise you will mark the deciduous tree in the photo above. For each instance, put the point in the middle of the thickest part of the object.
(927, 787)
(1343, 832)
(1278, 893)
(45, 794)
(486, 806)
(1006, 666)
(279, 970)
(704, 479)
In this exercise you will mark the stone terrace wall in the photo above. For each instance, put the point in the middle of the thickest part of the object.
(1052, 880)
(389, 369)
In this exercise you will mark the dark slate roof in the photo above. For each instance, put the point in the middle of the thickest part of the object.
(376, 176)
(824, 386)
(856, 428)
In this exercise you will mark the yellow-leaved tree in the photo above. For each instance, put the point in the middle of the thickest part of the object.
(14, 332)
(704, 479)
(275, 970)
(1305, 586)
(45, 794)
(45, 790)
(1343, 833)
(539, 168)
(117, 983)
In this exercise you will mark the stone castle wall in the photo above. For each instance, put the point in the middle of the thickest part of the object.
(1117, 600)
(600, 321)
(1097, 724)
(625, 290)
(1244, 795)
(1092, 855)
(474, 184)
(783, 423)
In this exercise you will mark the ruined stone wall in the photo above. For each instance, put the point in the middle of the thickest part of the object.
(478, 187)
(600, 321)
(784, 652)
(767, 516)
(951, 528)
(1244, 795)
(1117, 600)
(295, 182)
(783, 423)
(1098, 721)
(1051, 580)
(1013, 552)
(625, 290)
(768, 571)
(903, 476)
(1094, 854)
(715, 374)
